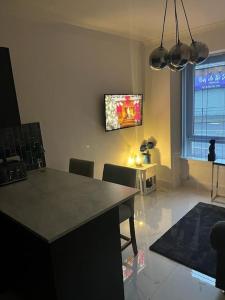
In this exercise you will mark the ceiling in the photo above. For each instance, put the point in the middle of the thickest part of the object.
(139, 19)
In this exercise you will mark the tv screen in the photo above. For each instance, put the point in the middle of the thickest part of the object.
(123, 111)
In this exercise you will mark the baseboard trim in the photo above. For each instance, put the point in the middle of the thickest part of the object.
(164, 185)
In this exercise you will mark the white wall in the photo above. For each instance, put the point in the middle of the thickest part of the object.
(163, 121)
(157, 125)
(61, 73)
(165, 100)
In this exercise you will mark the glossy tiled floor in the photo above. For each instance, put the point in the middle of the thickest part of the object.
(151, 276)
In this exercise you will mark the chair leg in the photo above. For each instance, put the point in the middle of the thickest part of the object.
(133, 236)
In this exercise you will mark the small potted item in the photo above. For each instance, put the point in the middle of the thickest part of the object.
(145, 147)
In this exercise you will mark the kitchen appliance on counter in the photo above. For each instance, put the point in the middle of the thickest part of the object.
(24, 142)
(12, 170)
(21, 145)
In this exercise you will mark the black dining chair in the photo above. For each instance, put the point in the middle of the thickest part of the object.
(124, 176)
(81, 167)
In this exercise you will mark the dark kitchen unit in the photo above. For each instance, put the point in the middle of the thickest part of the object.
(21, 146)
(60, 237)
(9, 111)
(21, 151)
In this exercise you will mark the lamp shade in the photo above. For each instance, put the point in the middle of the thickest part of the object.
(199, 52)
(179, 55)
(158, 59)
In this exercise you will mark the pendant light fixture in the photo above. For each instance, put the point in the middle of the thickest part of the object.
(180, 54)
(159, 58)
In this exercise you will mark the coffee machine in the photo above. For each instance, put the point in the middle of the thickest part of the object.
(12, 169)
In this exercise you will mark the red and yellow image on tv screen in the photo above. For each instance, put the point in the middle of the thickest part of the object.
(123, 111)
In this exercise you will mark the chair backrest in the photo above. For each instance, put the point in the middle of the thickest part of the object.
(120, 175)
(81, 167)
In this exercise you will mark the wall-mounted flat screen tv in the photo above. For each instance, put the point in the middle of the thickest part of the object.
(123, 111)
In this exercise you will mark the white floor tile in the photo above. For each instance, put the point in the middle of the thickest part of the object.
(154, 277)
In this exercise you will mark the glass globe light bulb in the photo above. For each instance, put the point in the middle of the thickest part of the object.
(199, 52)
(158, 59)
(179, 55)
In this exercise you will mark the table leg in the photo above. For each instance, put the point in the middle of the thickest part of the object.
(141, 181)
(217, 180)
(212, 186)
(144, 182)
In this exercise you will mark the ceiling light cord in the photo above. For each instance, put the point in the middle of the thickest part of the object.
(177, 24)
(164, 20)
(189, 29)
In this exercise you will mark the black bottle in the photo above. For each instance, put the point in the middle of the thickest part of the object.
(212, 153)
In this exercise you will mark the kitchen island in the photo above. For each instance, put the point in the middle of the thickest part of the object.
(60, 237)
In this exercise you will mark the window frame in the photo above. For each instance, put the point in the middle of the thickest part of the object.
(188, 77)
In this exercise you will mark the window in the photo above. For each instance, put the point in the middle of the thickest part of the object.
(203, 89)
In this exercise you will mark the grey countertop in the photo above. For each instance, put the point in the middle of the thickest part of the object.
(52, 203)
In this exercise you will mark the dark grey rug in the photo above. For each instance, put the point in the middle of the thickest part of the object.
(188, 241)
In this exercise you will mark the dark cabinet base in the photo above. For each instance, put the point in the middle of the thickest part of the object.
(84, 264)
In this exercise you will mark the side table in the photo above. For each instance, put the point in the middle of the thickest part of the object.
(214, 193)
(146, 179)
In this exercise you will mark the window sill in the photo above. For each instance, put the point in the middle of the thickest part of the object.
(195, 158)
(191, 158)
